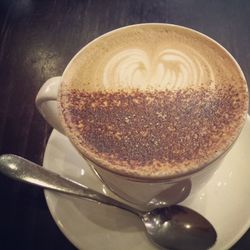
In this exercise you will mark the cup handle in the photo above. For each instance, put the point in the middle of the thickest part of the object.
(46, 102)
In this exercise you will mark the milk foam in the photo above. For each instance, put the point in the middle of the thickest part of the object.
(150, 58)
(167, 68)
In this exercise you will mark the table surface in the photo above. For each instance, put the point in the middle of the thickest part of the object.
(37, 40)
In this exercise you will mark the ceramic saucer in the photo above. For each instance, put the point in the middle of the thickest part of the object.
(224, 201)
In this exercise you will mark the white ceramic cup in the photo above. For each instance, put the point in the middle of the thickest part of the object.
(143, 193)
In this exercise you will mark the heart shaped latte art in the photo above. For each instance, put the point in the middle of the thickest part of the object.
(167, 69)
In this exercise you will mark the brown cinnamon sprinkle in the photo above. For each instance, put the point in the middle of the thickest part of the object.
(164, 126)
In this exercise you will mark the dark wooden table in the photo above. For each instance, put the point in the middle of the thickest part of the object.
(37, 40)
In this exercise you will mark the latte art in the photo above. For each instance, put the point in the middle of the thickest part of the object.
(167, 69)
(150, 58)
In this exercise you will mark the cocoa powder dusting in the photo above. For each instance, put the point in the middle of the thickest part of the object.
(164, 126)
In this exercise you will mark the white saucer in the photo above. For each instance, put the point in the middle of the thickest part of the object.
(224, 201)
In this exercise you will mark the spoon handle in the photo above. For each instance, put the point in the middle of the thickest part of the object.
(24, 170)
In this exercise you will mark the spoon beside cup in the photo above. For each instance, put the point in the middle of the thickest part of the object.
(173, 227)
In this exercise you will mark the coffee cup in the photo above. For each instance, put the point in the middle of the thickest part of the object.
(153, 108)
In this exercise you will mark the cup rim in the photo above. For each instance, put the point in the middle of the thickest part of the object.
(156, 178)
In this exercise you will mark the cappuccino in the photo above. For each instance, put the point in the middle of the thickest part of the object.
(153, 101)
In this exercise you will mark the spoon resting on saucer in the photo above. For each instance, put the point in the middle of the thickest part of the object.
(173, 227)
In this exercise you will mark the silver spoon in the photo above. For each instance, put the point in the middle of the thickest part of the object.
(174, 227)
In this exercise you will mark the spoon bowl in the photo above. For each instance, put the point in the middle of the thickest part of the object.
(166, 226)
(173, 227)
